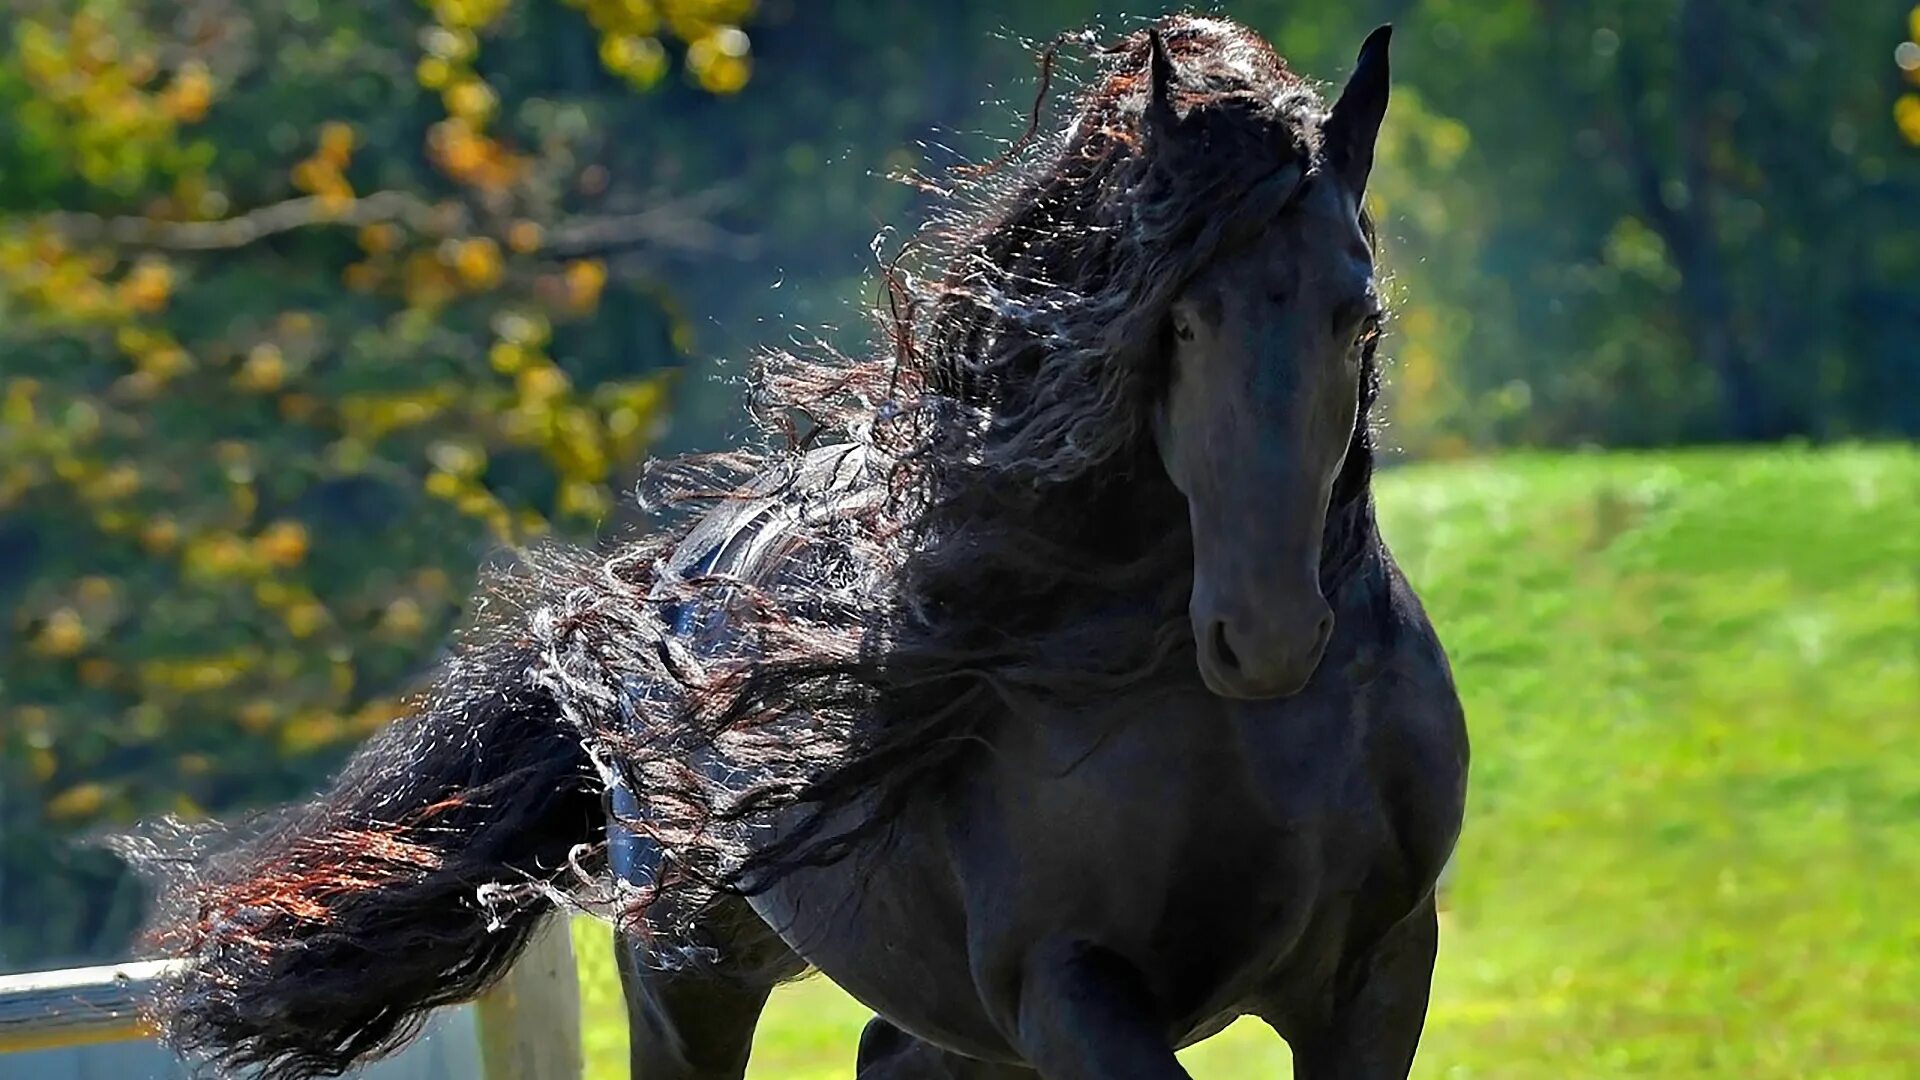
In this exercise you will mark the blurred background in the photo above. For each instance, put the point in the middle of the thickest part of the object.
(309, 309)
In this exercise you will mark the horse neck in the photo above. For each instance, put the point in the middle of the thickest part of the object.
(1076, 547)
(1352, 531)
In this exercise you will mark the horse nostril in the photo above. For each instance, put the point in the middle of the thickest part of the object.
(1325, 631)
(1222, 651)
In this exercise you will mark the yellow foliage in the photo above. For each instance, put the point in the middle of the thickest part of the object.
(524, 237)
(403, 618)
(146, 287)
(522, 328)
(164, 363)
(1906, 115)
(456, 147)
(79, 801)
(470, 100)
(161, 535)
(467, 14)
(265, 368)
(379, 237)
(63, 634)
(506, 357)
(217, 555)
(373, 416)
(630, 47)
(361, 277)
(335, 201)
(303, 619)
(336, 143)
(475, 501)
(243, 498)
(116, 482)
(299, 408)
(457, 458)
(477, 261)
(460, 149)
(205, 677)
(374, 715)
(541, 382)
(258, 715)
(585, 278)
(117, 105)
(137, 386)
(310, 731)
(35, 722)
(282, 544)
(433, 72)
(190, 94)
(113, 522)
(639, 60)
(235, 458)
(583, 499)
(311, 175)
(719, 61)
(443, 485)
(110, 120)
(425, 281)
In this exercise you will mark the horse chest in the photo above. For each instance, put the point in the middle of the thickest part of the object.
(1185, 834)
(1168, 836)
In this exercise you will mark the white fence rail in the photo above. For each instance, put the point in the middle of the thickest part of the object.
(527, 1027)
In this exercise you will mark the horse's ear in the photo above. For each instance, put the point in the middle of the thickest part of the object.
(1160, 119)
(1354, 123)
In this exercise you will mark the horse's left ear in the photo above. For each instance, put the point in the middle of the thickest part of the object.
(1161, 119)
(1354, 124)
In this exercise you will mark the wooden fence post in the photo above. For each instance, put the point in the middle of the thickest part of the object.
(529, 1023)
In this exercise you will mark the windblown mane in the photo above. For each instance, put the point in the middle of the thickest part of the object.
(999, 533)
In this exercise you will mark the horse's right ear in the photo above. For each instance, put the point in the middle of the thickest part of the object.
(1160, 118)
(1354, 123)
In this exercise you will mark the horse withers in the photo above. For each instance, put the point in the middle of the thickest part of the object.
(1049, 688)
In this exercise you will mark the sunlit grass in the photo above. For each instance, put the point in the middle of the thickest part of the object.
(1694, 684)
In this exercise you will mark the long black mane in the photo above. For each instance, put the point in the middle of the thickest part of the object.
(998, 535)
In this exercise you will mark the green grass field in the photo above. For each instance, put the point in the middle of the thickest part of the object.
(1693, 848)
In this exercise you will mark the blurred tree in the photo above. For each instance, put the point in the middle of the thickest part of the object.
(1619, 222)
(1669, 221)
(304, 307)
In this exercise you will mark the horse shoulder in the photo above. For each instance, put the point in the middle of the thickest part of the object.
(1418, 748)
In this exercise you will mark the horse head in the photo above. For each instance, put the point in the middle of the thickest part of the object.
(1266, 346)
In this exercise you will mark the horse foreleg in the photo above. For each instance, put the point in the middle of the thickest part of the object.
(1373, 1028)
(1083, 1013)
(887, 1053)
(689, 1025)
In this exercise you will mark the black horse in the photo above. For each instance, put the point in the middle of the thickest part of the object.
(1048, 686)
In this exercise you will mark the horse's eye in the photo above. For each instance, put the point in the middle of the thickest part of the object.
(1368, 333)
(1182, 326)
